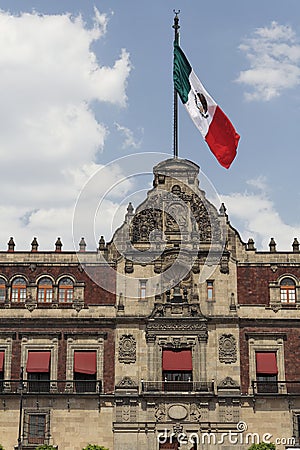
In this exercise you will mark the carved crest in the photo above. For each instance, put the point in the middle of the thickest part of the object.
(227, 349)
(127, 349)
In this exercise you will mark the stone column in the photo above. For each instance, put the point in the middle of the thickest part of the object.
(151, 347)
(202, 349)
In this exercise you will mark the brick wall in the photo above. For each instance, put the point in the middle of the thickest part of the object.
(253, 283)
(291, 351)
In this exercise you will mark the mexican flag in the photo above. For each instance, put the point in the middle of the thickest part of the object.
(208, 117)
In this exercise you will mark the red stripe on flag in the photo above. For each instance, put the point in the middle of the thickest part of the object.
(222, 138)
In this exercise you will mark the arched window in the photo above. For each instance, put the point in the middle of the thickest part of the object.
(287, 290)
(45, 290)
(65, 290)
(2, 290)
(18, 290)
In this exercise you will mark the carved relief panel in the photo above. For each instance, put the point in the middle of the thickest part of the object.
(127, 349)
(227, 349)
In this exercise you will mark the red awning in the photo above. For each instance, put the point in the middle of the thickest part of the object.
(38, 362)
(266, 363)
(177, 360)
(85, 362)
(1, 361)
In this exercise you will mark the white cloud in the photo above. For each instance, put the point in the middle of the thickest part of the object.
(254, 214)
(49, 135)
(130, 140)
(274, 57)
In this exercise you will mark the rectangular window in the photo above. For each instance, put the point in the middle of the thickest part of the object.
(2, 292)
(45, 294)
(85, 371)
(177, 370)
(38, 371)
(65, 294)
(36, 428)
(18, 294)
(210, 290)
(143, 289)
(266, 372)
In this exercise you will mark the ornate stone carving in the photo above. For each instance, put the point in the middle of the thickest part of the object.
(178, 327)
(126, 382)
(160, 412)
(78, 304)
(228, 382)
(177, 342)
(162, 208)
(127, 349)
(224, 263)
(228, 411)
(178, 429)
(227, 349)
(144, 222)
(128, 266)
(30, 303)
(170, 309)
(195, 413)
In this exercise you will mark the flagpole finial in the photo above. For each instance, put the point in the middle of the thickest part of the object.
(176, 25)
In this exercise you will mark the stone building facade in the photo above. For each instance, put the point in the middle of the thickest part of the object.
(174, 335)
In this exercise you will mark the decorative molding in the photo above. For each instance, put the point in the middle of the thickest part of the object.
(195, 413)
(229, 411)
(127, 382)
(170, 309)
(78, 304)
(30, 303)
(265, 335)
(160, 412)
(228, 382)
(227, 349)
(177, 342)
(175, 325)
(127, 349)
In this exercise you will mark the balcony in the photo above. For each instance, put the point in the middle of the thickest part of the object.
(177, 386)
(51, 387)
(276, 387)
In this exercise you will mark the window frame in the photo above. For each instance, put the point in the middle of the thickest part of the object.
(18, 289)
(29, 440)
(142, 289)
(66, 289)
(266, 342)
(85, 344)
(210, 290)
(3, 288)
(44, 289)
(287, 290)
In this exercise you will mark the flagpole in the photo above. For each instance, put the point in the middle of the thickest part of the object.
(176, 27)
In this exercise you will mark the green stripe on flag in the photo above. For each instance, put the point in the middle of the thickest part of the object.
(181, 73)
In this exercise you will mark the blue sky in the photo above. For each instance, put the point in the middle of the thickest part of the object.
(85, 83)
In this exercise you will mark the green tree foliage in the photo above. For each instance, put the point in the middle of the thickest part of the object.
(262, 446)
(1, 447)
(95, 447)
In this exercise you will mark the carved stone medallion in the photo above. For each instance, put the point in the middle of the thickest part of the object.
(127, 349)
(227, 349)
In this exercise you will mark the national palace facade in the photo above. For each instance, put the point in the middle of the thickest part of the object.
(174, 335)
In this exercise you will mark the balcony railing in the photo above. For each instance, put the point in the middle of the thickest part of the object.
(51, 386)
(276, 387)
(177, 386)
